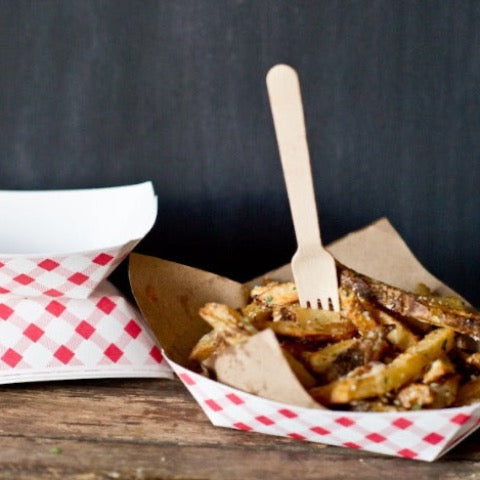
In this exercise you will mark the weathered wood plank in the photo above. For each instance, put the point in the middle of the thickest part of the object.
(123, 410)
(25, 458)
(146, 429)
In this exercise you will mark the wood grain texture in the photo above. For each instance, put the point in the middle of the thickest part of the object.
(153, 429)
(106, 92)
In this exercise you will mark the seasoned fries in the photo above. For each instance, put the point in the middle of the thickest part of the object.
(381, 379)
(229, 328)
(387, 349)
(315, 324)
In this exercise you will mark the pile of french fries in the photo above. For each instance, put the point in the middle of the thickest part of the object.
(387, 349)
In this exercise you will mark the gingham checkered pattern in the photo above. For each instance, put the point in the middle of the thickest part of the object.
(45, 338)
(423, 435)
(72, 275)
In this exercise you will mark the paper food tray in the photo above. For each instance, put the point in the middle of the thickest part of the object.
(169, 296)
(59, 317)
(65, 242)
(101, 336)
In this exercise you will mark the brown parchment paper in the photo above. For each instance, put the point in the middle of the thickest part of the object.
(169, 296)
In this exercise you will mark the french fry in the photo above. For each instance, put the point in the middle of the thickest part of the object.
(338, 359)
(309, 322)
(323, 359)
(383, 378)
(365, 316)
(467, 344)
(212, 342)
(415, 396)
(228, 321)
(229, 328)
(429, 310)
(445, 392)
(423, 290)
(438, 369)
(356, 311)
(435, 395)
(400, 336)
(452, 303)
(258, 315)
(332, 331)
(469, 393)
(275, 293)
(473, 360)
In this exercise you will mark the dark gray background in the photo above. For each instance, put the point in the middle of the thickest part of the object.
(100, 93)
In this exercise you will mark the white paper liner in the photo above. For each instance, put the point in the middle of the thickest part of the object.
(65, 242)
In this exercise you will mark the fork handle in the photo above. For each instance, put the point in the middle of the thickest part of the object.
(288, 119)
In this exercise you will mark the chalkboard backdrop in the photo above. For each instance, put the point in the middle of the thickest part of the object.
(103, 93)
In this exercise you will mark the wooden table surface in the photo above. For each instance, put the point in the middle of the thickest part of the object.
(152, 429)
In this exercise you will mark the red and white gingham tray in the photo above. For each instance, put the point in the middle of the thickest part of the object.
(101, 336)
(59, 317)
(75, 275)
(419, 435)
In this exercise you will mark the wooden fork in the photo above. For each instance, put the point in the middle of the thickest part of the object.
(313, 267)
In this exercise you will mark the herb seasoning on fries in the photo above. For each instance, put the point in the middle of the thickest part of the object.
(387, 349)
